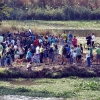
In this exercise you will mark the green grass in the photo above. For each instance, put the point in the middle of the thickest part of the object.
(72, 87)
(79, 28)
(78, 25)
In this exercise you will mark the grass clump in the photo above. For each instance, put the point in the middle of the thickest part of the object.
(22, 89)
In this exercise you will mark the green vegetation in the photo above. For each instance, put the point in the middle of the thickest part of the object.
(4, 10)
(54, 9)
(79, 28)
(72, 87)
(56, 25)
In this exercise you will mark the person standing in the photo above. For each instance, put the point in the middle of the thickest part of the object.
(91, 51)
(51, 55)
(70, 36)
(64, 35)
(93, 39)
(3, 58)
(28, 55)
(74, 56)
(88, 38)
(88, 58)
(81, 48)
(36, 42)
(1, 49)
(79, 54)
(98, 54)
(67, 54)
(71, 55)
(8, 58)
(41, 54)
(74, 41)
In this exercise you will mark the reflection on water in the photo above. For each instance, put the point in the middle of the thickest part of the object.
(27, 82)
(22, 82)
(12, 97)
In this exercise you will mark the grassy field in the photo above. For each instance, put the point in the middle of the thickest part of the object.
(52, 26)
(73, 87)
(55, 24)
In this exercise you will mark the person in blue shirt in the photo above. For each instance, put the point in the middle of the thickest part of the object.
(67, 53)
(70, 36)
(50, 39)
(53, 40)
(28, 55)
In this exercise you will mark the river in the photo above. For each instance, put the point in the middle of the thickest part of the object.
(16, 97)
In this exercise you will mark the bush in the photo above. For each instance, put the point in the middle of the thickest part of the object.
(48, 74)
(22, 89)
(56, 75)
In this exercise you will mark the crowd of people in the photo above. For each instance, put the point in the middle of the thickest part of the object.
(47, 49)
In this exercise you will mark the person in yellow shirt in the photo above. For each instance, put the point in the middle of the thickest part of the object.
(64, 35)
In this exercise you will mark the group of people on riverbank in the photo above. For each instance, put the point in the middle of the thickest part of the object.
(47, 49)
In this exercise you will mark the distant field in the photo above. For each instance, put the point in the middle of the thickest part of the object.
(92, 25)
(53, 26)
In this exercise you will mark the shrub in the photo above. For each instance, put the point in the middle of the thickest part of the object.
(48, 74)
(56, 75)
(22, 89)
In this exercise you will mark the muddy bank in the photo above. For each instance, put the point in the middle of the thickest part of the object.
(51, 72)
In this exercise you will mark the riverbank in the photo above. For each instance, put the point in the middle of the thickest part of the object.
(48, 71)
(72, 88)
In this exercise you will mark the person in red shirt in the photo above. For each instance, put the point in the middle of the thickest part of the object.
(36, 42)
(74, 41)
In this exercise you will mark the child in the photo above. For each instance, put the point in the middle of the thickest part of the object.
(29, 66)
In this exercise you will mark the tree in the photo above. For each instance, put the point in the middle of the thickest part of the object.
(4, 10)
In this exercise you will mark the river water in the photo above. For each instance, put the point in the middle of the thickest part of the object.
(16, 97)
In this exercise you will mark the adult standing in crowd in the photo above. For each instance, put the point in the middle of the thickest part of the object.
(88, 38)
(70, 36)
(64, 35)
(93, 40)
(98, 54)
(74, 41)
(88, 58)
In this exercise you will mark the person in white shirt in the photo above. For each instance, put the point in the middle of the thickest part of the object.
(40, 40)
(21, 51)
(88, 58)
(13, 42)
(60, 53)
(37, 50)
(74, 56)
(29, 66)
(93, 39)
(15, 46)
(71, 55)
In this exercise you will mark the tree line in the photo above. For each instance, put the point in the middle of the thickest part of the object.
(52, 9)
